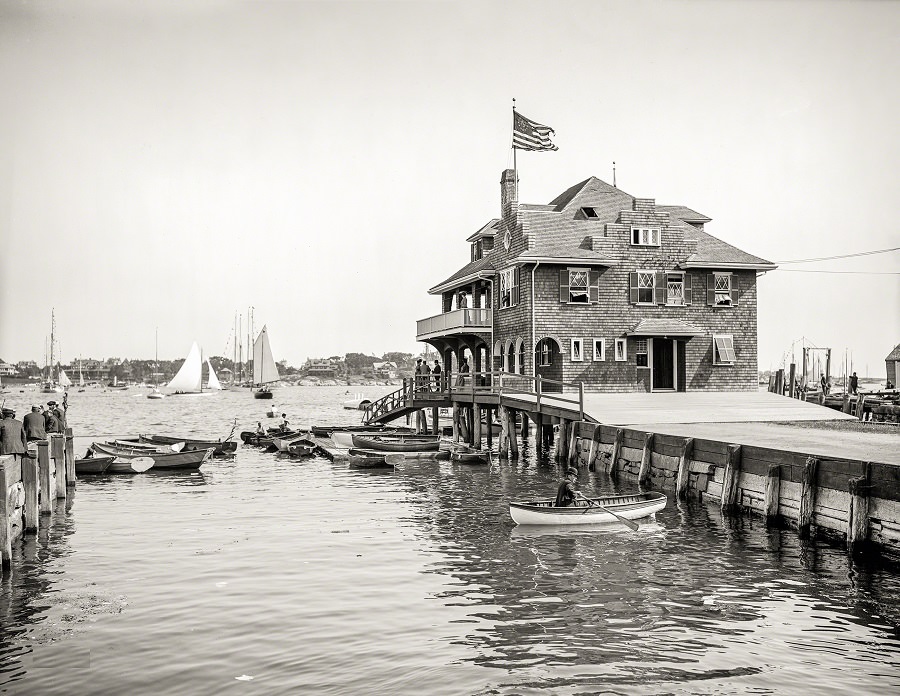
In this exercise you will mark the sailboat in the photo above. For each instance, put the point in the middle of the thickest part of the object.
(64, 380)
(189, 379)
(51, 386)
(156, 393)
(80, 377)
(212, 382)
(264, 368)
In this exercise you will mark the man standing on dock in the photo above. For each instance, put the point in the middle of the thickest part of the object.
(437, 375)
(854, 383)
(34, 425)
(51, 422)
(12, 435)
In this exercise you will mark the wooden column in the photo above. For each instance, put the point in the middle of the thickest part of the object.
(611, 468)
(646, 458)
(30, 481)
(525, 420)
(5, 527)
(730, 483)
(46, 477)
(70, 458)
(572, 450)
(489, 417)
(511, 433)
(773, 494)
(435, 421)
(58, 453)
(476, 430)
(504, 432)
(594, 452)
(808, 496)
(684, 468)
(858, 519)
(562, 440)
(455, 422)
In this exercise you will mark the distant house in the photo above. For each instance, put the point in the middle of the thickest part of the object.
(601, 287)
(7, 370)
(384, 370)
(324, 369)
(892, 365)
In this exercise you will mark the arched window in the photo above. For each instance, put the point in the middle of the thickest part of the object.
(510, 357)
(520, 352)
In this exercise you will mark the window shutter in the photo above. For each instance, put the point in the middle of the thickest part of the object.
(564, 285)
(594, 286)
(659, 289)
(633, 288)
(514, 300)
(687, 288)
(735, 292)
(710, 289)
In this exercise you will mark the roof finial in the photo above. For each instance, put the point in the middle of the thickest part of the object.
(614, 174)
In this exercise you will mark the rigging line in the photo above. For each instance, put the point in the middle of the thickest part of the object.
(800, 270)
(842, 256)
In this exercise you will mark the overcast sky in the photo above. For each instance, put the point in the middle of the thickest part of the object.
(168, 163)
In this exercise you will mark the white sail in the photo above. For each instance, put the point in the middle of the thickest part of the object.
(190, 375)
(64, 380)
(264, 369)
(80, 377)
(212, 382)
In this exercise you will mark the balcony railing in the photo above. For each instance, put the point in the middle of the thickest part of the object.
(475, 318)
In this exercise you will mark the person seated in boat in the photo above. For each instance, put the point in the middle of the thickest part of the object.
(566, 495)
(285, 426)
(260, 430)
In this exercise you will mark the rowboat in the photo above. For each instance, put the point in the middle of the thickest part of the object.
(394, 458)
(470, 456)
(367, 459)
(418, 443)
(135, 465)
(327, 430)
(190, 443)
(344, 438)
(282, 443)
(160, 459)
(632, 507)
(92, 465)
(301, 447)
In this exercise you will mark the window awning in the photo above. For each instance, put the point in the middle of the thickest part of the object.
(664, 327)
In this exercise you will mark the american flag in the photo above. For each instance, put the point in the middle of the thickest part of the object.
(528, 135)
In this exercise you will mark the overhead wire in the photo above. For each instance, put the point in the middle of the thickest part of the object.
(842, 256)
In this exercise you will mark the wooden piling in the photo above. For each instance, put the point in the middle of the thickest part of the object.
(861, 407)
(5, 527)
(562, 441)
(435, 421)
(858, 519)
(476, 429)
(611, 468)
(538, 430)
(489, 417)
(31, 483)
(845, 406)
(773, 494)
(572, 450)
(504, 432)
(808, 496)
(792, 378)
(70, 458)
(594, 452)
(731, 480)
(58, 453)
(646, 457)
(455, 422)
(684, 468)
(511, 434)
(524, 425)
(46, 477)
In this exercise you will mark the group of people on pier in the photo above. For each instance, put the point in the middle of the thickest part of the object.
(41, 421)
(424, 376)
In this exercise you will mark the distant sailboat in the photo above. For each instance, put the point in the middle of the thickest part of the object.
(264, 369)
(156, 393)
(80, 376)
(64, 380)
(212, 381)
(189, 379)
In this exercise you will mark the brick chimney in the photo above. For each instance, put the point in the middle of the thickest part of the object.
(508, 202)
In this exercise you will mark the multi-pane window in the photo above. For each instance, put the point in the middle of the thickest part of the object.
(640, 353)
(645, 287)
(645, 236)
(599, 349)
(723, 349)
(675, 288)
(577, 350)
(722, 289)
(578, 285)
(546, 354)
(521, 360)
(509, 291)
(621, 353)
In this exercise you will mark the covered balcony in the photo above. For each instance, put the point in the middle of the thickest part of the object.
(465, 320)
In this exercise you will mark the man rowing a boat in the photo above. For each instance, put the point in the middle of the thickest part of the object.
(566, 495)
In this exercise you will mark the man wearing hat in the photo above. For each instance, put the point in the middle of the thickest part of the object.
(34, 425)
(12, 435)
(566, 495)
(51, 422)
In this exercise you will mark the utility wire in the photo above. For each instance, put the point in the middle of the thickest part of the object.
(800, 270)
(843, 256)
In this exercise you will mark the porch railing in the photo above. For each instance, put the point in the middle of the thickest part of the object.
(476, 317)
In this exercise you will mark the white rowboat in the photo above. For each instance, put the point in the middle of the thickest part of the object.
(631, 507)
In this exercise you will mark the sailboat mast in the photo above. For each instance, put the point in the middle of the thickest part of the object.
(52, 339)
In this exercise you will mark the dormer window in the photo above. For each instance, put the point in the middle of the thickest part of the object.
(645, 236)
(590, 213)
(477, 250)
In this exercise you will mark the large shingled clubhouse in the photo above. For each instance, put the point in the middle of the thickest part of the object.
(603, 288)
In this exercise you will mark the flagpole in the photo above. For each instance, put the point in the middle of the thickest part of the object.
(515, 168)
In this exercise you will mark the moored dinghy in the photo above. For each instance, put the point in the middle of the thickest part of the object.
(92, 465)
(410, 443)
(367, 459)
(632, 507)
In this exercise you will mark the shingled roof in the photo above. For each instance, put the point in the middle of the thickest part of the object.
(483, 266)
(894, 354)
(712, 251)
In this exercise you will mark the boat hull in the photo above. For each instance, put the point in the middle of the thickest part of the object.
(92, 465)
(367, 459)
(631, 507)
(469, 457)
(396, 444)
(218, 446)
(161, 460)
(262, 395)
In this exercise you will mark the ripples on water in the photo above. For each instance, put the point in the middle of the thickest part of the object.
(261, 575)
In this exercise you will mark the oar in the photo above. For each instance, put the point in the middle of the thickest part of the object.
(628, 523)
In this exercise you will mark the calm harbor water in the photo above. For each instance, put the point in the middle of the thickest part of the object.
(261, 575)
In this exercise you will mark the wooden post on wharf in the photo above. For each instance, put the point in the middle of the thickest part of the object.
(70, 458)
(571, 449)
(538, 430)
(732, 477)
(779, 381)
(5, 527)
(611, 468)
(858, 517)
(435, 421)
(524, 425)
(476, 429)
(46, 477)
(58, 453)
(595, 449)
(793, 376)
(861, 407)
(644, 473)
(455, 422)
(562, 442)
(489, 418)
(773, 494)
(808, 496)
(684, 464)
(845, 407)
(511, 434)
(31, 482)
(504, 432)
